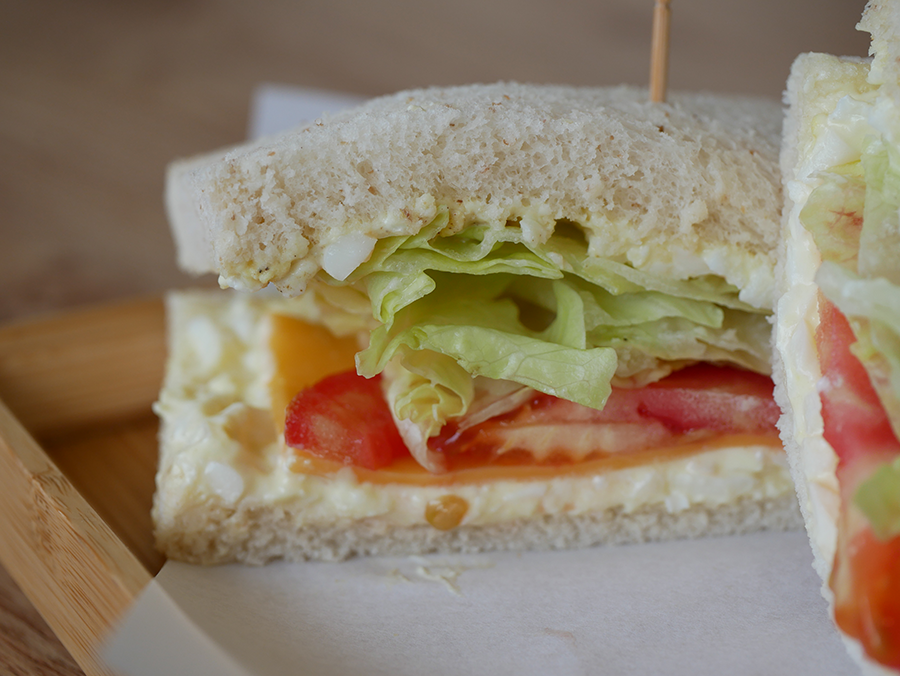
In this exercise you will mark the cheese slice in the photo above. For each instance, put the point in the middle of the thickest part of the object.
(304, 354)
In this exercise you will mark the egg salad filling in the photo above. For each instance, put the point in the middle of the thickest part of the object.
(224, 445)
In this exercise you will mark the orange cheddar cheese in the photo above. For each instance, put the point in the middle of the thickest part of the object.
(304, 353)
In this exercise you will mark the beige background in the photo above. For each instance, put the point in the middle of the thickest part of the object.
(96, 97)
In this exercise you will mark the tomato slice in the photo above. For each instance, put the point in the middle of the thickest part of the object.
(866, 582)
(856, 424)
(346, 419)
(865, 576)
(710, 397)
(697, 402)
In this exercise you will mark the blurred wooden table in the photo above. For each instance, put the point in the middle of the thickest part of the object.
(97, 97)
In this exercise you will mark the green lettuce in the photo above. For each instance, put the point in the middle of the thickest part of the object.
(879, 499)
(879, 240)
(448, 308)
(485, 337)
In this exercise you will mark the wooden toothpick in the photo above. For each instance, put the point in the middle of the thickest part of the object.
(659, 54)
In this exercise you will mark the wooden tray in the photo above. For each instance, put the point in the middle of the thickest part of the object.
(77, 465)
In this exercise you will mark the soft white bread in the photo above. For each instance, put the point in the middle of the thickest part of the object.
(225, 490)
(881, 19)
(817, 83)
(522, 155)
(191, 243)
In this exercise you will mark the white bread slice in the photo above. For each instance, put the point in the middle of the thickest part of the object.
(191, 243)
(881, 19)
(817, 83)
(225, 491)
(497, 154)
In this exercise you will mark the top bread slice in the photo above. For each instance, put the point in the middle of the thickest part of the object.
(682, 189)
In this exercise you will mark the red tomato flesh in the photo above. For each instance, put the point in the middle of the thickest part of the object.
(709, 397)
(697, 402)
(867, 573)
(865, 576)
(344, 418)
(856, 424)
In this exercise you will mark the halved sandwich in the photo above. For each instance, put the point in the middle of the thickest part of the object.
(838, 329)
(511, 316)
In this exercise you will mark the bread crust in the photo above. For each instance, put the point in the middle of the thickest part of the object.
(881, 19)
(251, 536)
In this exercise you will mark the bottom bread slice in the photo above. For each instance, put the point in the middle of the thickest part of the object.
(226, 490)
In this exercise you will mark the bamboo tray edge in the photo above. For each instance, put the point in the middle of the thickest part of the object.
(75, 397)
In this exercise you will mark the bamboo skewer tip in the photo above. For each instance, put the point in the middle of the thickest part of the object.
(659, 51)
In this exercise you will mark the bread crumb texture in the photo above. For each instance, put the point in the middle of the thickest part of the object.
(684, 188)
(221, 535)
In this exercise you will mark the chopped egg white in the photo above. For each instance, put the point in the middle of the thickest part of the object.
(224, 481)
(838, 137)
(343, 256)
(229, 468)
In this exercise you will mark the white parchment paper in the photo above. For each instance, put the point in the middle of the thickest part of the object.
(738, 605)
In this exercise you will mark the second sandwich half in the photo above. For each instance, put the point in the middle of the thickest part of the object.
(511, 317)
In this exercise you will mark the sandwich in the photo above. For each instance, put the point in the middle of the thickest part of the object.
(837, 368)
(510, 316)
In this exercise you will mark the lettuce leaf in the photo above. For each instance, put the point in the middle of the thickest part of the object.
(879, 240)
(450, 307)
(879, 499)
(485, 337)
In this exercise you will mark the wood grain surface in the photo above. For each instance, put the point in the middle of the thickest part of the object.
(27, 644)
(71, 564)
(96, 98)
(66, 371)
